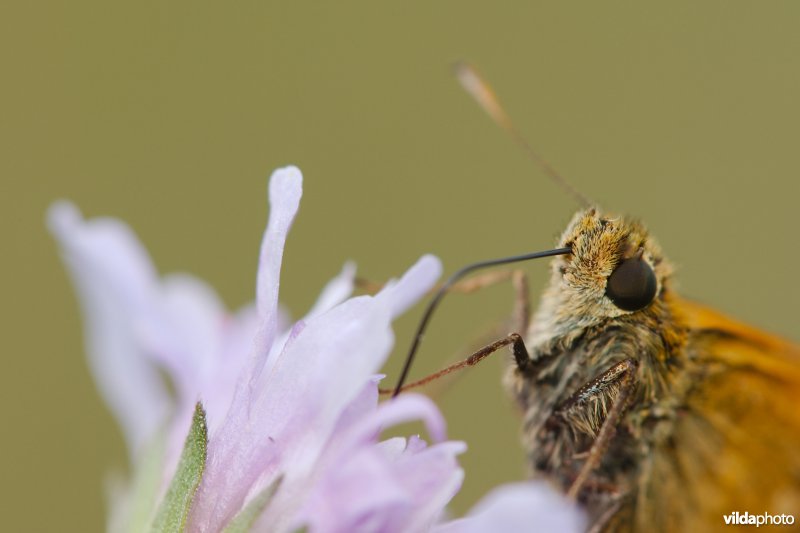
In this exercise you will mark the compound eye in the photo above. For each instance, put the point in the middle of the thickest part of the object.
(632, 285)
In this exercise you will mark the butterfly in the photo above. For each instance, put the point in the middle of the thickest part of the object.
(654, 412)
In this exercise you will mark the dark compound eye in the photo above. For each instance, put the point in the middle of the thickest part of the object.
(632, 285)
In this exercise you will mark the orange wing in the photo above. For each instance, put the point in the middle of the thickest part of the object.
(734, 444)
(741, 345)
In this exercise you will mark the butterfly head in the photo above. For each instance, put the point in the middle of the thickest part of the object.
(614, 269)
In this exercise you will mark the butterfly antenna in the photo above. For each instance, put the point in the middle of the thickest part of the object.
(483, 93)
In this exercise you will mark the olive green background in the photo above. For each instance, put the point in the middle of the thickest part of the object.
(171, 116)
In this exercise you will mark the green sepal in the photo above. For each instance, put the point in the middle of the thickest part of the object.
(174, 509)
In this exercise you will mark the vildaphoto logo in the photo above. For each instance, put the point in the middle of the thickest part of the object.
(763, 519)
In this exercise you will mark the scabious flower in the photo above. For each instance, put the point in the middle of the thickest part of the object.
(266, 425)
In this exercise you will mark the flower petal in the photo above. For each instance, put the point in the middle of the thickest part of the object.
(384, 488)
(405, 408)
(520, 507)
(396, 477)
(417, 281)
(336, 291)
(362, 405)
(316, 376)
(285, 190)
(116, 283)
(203, 349)
(186, 335)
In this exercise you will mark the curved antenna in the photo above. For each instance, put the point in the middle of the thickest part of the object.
(482, 92)
(426, 318)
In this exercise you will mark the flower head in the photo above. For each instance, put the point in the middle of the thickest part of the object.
(283, 419)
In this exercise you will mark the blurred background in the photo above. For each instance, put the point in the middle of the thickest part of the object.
(172, 115)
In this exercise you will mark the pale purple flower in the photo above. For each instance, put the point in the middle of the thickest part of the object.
(292, 412)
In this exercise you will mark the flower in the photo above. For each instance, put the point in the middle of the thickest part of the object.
(272, 425)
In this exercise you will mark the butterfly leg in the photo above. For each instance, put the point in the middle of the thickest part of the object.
(521, 319)
(610, 394)
(513, 339)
